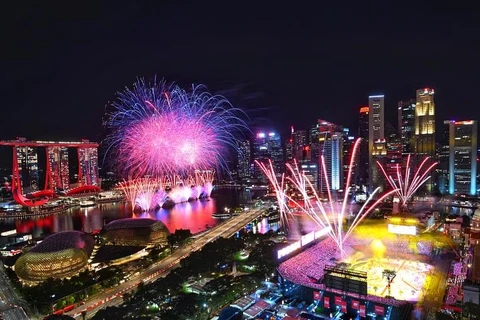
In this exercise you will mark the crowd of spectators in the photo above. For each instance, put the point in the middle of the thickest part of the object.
(452, 293)
(307, 267)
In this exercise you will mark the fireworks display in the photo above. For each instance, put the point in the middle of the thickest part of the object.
(150, 193)
(326, 215)
(161, 130)
(405, 185)
(170, 142)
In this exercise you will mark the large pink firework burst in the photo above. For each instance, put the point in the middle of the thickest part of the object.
(169, 143)
(158, 129)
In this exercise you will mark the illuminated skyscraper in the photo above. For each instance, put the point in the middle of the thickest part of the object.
(58, 163)
(424, 139)
(318, 136)
(327, 140)
(425, 123)
(348, 142)
(27, 158)
(462, 157)
(88, 166)
(406, 124)
(310, 170)
(289, 150)
(299, 141)
(363, 157)
(268, 146)
(244, 160)
(376, 138)
(332, 151)
(443, 157)
(394, 155)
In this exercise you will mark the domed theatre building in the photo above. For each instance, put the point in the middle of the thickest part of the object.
(61, 255)
(136, 232)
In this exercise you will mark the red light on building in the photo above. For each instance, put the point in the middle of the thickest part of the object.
(326, 302)
(379, 310)
(362, 310)
(355, 304)
(364, 109)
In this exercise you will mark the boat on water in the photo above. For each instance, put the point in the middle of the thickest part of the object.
(87, 203)
(221, 215)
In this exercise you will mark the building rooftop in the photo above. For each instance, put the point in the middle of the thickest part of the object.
(65, 240)
(128, 223)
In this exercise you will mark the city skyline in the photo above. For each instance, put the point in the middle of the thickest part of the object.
(237, 160)
(261, 64)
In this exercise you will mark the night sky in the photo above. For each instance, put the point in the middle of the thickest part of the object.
(285, 64)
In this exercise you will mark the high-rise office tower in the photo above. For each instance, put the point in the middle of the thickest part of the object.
(424, 138)
(27, 158)
(462, 157)
(393, 158)
(348, 142)
(376, 138)
(332, 151)
(299, 141)
(289, 147)
(267, 146)
(363, 157)
(443, 157)
(310, 170)
(406, 124)
(244, 160)
(317, 137)
(425, 123)
(327, 141)
(363, 122)
(57, 158)
(289, 150)
(88, 166)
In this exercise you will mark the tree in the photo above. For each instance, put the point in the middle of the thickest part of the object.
(179, 237)
(471, 310)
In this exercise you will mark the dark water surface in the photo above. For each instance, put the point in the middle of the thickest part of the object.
(195, 215)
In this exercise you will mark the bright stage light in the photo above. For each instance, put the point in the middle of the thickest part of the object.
(399, 229)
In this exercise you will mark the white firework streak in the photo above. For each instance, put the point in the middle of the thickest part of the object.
(325, 217)
(405, 189)
(149, 193)
(279, 187)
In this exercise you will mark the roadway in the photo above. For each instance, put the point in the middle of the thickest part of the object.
(436, 285)
(159, 269)
(10, 305)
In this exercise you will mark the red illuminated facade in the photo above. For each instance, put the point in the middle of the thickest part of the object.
(57, 169)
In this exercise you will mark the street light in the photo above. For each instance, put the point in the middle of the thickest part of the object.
(53, 306)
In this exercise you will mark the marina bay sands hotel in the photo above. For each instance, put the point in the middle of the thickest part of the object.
(25, 164)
